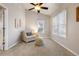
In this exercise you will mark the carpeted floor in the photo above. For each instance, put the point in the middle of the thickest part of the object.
(49, 48)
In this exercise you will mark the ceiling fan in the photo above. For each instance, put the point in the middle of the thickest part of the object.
(38, 7)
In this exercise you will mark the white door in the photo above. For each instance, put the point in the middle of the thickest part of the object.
(1, 29)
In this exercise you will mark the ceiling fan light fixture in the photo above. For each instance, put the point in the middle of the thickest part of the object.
(37, 7)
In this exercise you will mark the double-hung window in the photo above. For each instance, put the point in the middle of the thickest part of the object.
(59, 24)
(40, 24)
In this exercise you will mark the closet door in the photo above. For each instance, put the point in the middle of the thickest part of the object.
(1, 29)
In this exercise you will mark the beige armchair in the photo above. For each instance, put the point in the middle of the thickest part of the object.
(26, 38)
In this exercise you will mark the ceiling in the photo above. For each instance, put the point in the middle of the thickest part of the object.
(52, 7)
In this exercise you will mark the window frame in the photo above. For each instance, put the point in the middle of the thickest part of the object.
(65, 24)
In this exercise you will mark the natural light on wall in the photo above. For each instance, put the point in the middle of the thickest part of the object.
(59, 24)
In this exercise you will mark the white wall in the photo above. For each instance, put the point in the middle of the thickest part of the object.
(1, 28)
(14, 11)
(72, 40)
(31, 19)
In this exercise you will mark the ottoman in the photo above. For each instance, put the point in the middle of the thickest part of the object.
(38, 41)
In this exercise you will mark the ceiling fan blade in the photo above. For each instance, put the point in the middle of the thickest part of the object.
(38, 11)
(40, 4)
(33, 4)
(31, 8)
(44, 8)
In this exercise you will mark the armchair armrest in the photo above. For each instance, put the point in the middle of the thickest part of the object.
(24, 36)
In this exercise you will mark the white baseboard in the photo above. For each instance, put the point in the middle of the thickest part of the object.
(67, 48)
(12, 45)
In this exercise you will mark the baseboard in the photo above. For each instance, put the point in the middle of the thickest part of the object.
(12, 45)
(67, 48)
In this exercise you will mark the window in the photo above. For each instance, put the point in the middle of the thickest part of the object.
(40, 24)
(59, 24)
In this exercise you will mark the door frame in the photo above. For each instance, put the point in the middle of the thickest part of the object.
(5, 19)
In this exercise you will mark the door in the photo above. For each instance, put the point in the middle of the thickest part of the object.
(1, 29)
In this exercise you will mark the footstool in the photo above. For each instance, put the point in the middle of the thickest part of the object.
(38, 41)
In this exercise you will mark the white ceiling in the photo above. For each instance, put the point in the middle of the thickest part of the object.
(52, 7)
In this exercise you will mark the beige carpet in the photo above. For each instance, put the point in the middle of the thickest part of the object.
(50, 48)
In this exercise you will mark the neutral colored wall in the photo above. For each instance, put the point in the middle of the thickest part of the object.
(14, 11)
(1, 28)
(31, 19)
(72, 40)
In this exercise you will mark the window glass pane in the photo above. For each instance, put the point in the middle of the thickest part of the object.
(40, 24)
(55, 20)
(55, 30)
(55, 25)
(62, 17)
(62, 30)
